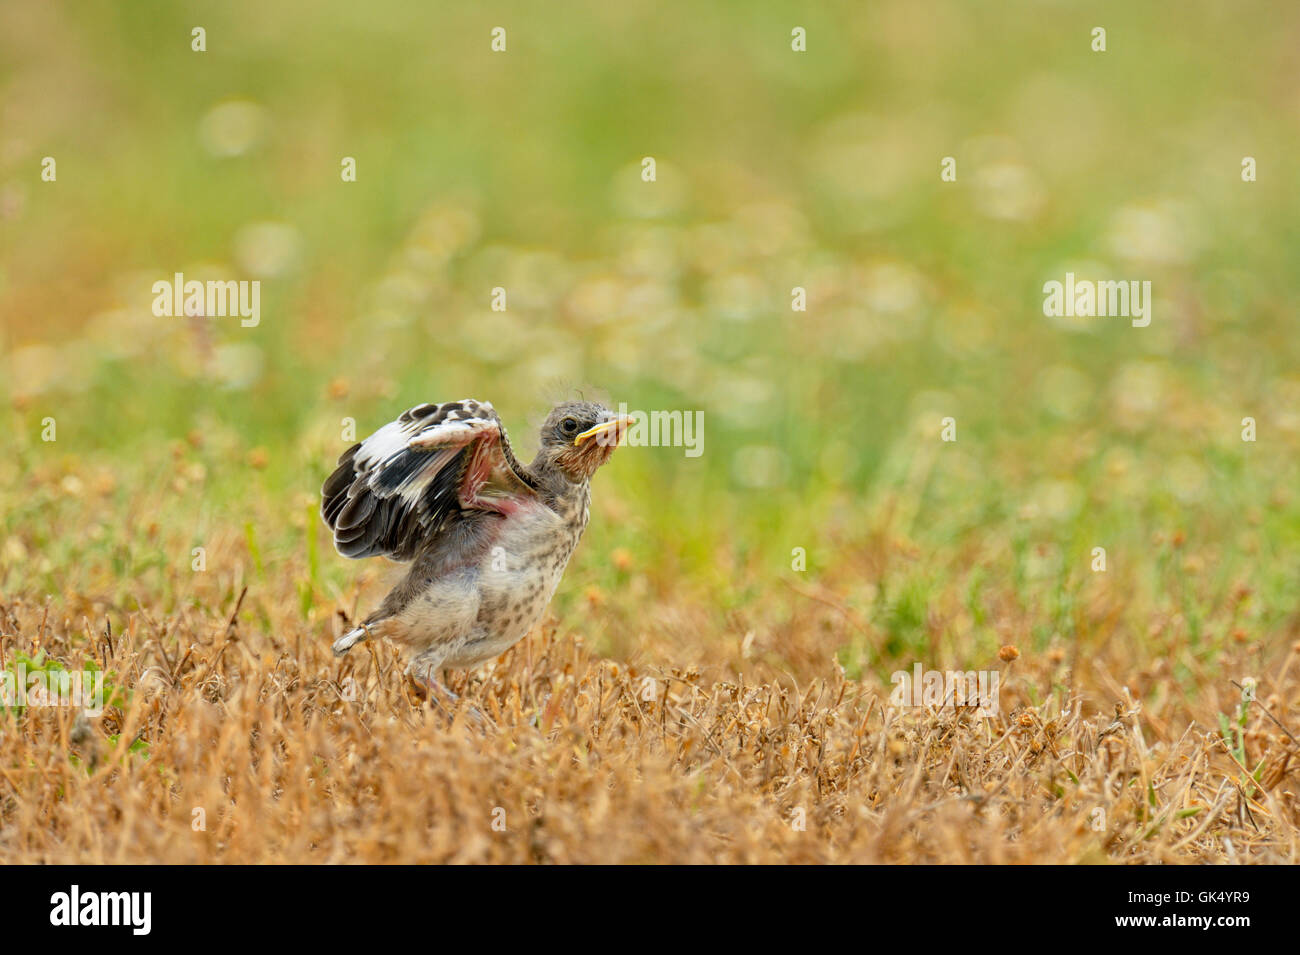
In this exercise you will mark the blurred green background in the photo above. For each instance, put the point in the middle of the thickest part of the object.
(776, 169)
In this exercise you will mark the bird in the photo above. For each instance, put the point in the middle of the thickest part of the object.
(487, 538)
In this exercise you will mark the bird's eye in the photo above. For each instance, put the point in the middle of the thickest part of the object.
(569, 425)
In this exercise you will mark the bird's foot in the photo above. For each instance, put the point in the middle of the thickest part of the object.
(429, 688)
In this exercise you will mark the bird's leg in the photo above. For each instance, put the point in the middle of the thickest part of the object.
(422, 672)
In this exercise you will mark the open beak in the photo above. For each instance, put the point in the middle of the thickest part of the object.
(608, 433)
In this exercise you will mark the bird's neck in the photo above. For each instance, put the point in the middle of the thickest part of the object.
(557, 491)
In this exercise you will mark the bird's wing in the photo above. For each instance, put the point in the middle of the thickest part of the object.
(417, 475)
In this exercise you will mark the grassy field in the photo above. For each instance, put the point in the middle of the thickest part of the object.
(713, 679)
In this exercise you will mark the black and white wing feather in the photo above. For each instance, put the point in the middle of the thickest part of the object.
(411, 479)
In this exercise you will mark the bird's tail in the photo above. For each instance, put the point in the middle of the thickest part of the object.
(346, 642)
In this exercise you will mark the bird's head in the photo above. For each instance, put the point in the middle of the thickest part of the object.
(578, 437)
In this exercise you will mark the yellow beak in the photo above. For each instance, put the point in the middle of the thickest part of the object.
(621, 423)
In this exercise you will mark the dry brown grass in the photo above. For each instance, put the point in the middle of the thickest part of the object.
(251, 726)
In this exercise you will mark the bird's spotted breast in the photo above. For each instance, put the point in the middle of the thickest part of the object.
(518, 576)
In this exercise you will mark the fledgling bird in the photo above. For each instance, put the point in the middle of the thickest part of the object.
(488, 538)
